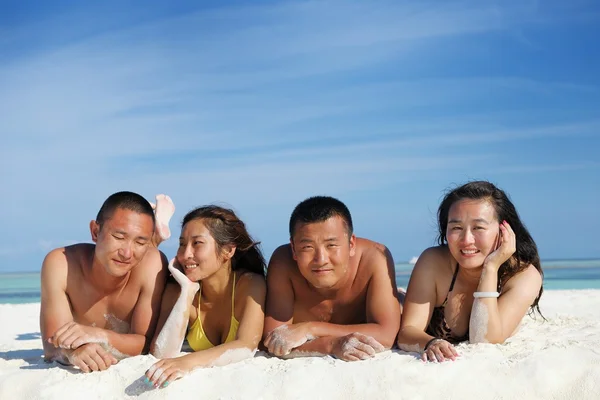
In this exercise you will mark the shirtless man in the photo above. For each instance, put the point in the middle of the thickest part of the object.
(100, 303)
(329, 292)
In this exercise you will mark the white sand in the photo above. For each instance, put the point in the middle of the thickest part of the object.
(558, 359)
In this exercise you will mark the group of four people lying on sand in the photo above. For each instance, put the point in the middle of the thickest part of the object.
(327, 292)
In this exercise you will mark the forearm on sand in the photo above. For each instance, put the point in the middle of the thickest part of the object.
(170, 339)
(485, 325)
(379, 332)
(120, 345)
(224, 354)
(411, 338)
(321, 346)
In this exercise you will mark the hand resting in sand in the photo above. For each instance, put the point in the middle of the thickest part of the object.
(283, 339)
(90, 357)
(438, 351)
(168, 370)
(356, 346)
(72, 335)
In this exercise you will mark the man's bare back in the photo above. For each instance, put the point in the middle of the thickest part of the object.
(101, 302)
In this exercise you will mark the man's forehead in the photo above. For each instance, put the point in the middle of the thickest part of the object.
(123, 216)
(128, 213)
(331, 227)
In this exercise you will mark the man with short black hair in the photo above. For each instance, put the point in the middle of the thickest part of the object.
(100, 302)
(329, 292)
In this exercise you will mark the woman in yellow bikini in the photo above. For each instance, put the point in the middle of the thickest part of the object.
(216, 300)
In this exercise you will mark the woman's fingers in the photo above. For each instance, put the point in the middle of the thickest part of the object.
(154, 372)
(447, 352)
(439, 352)
(454, 352)
(163, 377)
(173, 376)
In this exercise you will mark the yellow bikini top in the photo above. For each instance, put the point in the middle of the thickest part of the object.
(197, 338)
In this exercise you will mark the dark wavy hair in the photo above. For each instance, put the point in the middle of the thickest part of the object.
(227, 229)
(526, 253)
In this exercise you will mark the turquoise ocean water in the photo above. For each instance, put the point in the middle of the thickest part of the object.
(16, 288)
(558, 274)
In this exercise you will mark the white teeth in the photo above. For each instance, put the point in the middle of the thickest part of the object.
(191, 266)
(469, 251)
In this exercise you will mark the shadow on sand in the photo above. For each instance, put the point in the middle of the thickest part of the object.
(31, 355)
(138, 387)
(29, 336)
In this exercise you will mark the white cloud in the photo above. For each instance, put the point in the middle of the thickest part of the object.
(262, 105)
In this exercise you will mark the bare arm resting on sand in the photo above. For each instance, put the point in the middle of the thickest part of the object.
(493, 320)
(349, 342)
(88, 347)
(251, 288)
(56, 312)
(174, 314)
(419, 303)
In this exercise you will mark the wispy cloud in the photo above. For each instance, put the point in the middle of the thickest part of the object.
(262, 104)
(540, 168)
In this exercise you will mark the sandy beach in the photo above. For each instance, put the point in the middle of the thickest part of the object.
(556, 359)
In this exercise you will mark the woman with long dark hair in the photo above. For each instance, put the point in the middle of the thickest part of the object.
(216, 299)
(478, 283)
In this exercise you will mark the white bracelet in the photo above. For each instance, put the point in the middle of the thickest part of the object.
(485, 294)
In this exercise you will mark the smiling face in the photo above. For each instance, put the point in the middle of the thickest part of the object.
(472, 231)
(122, 240)
(197, 252)
(322, 251)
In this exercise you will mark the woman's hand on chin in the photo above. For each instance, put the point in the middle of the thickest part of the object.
(184, 281)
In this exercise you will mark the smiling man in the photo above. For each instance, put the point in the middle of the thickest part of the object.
(100, 302)
(329, 292)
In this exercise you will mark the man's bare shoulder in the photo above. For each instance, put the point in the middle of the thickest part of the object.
(367, 245)
(373, 255)
(72, 256)
(283, 258)
(282, 264)
(153, 263)
(153, 260)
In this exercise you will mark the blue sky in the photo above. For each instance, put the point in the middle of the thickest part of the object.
(258, 105)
